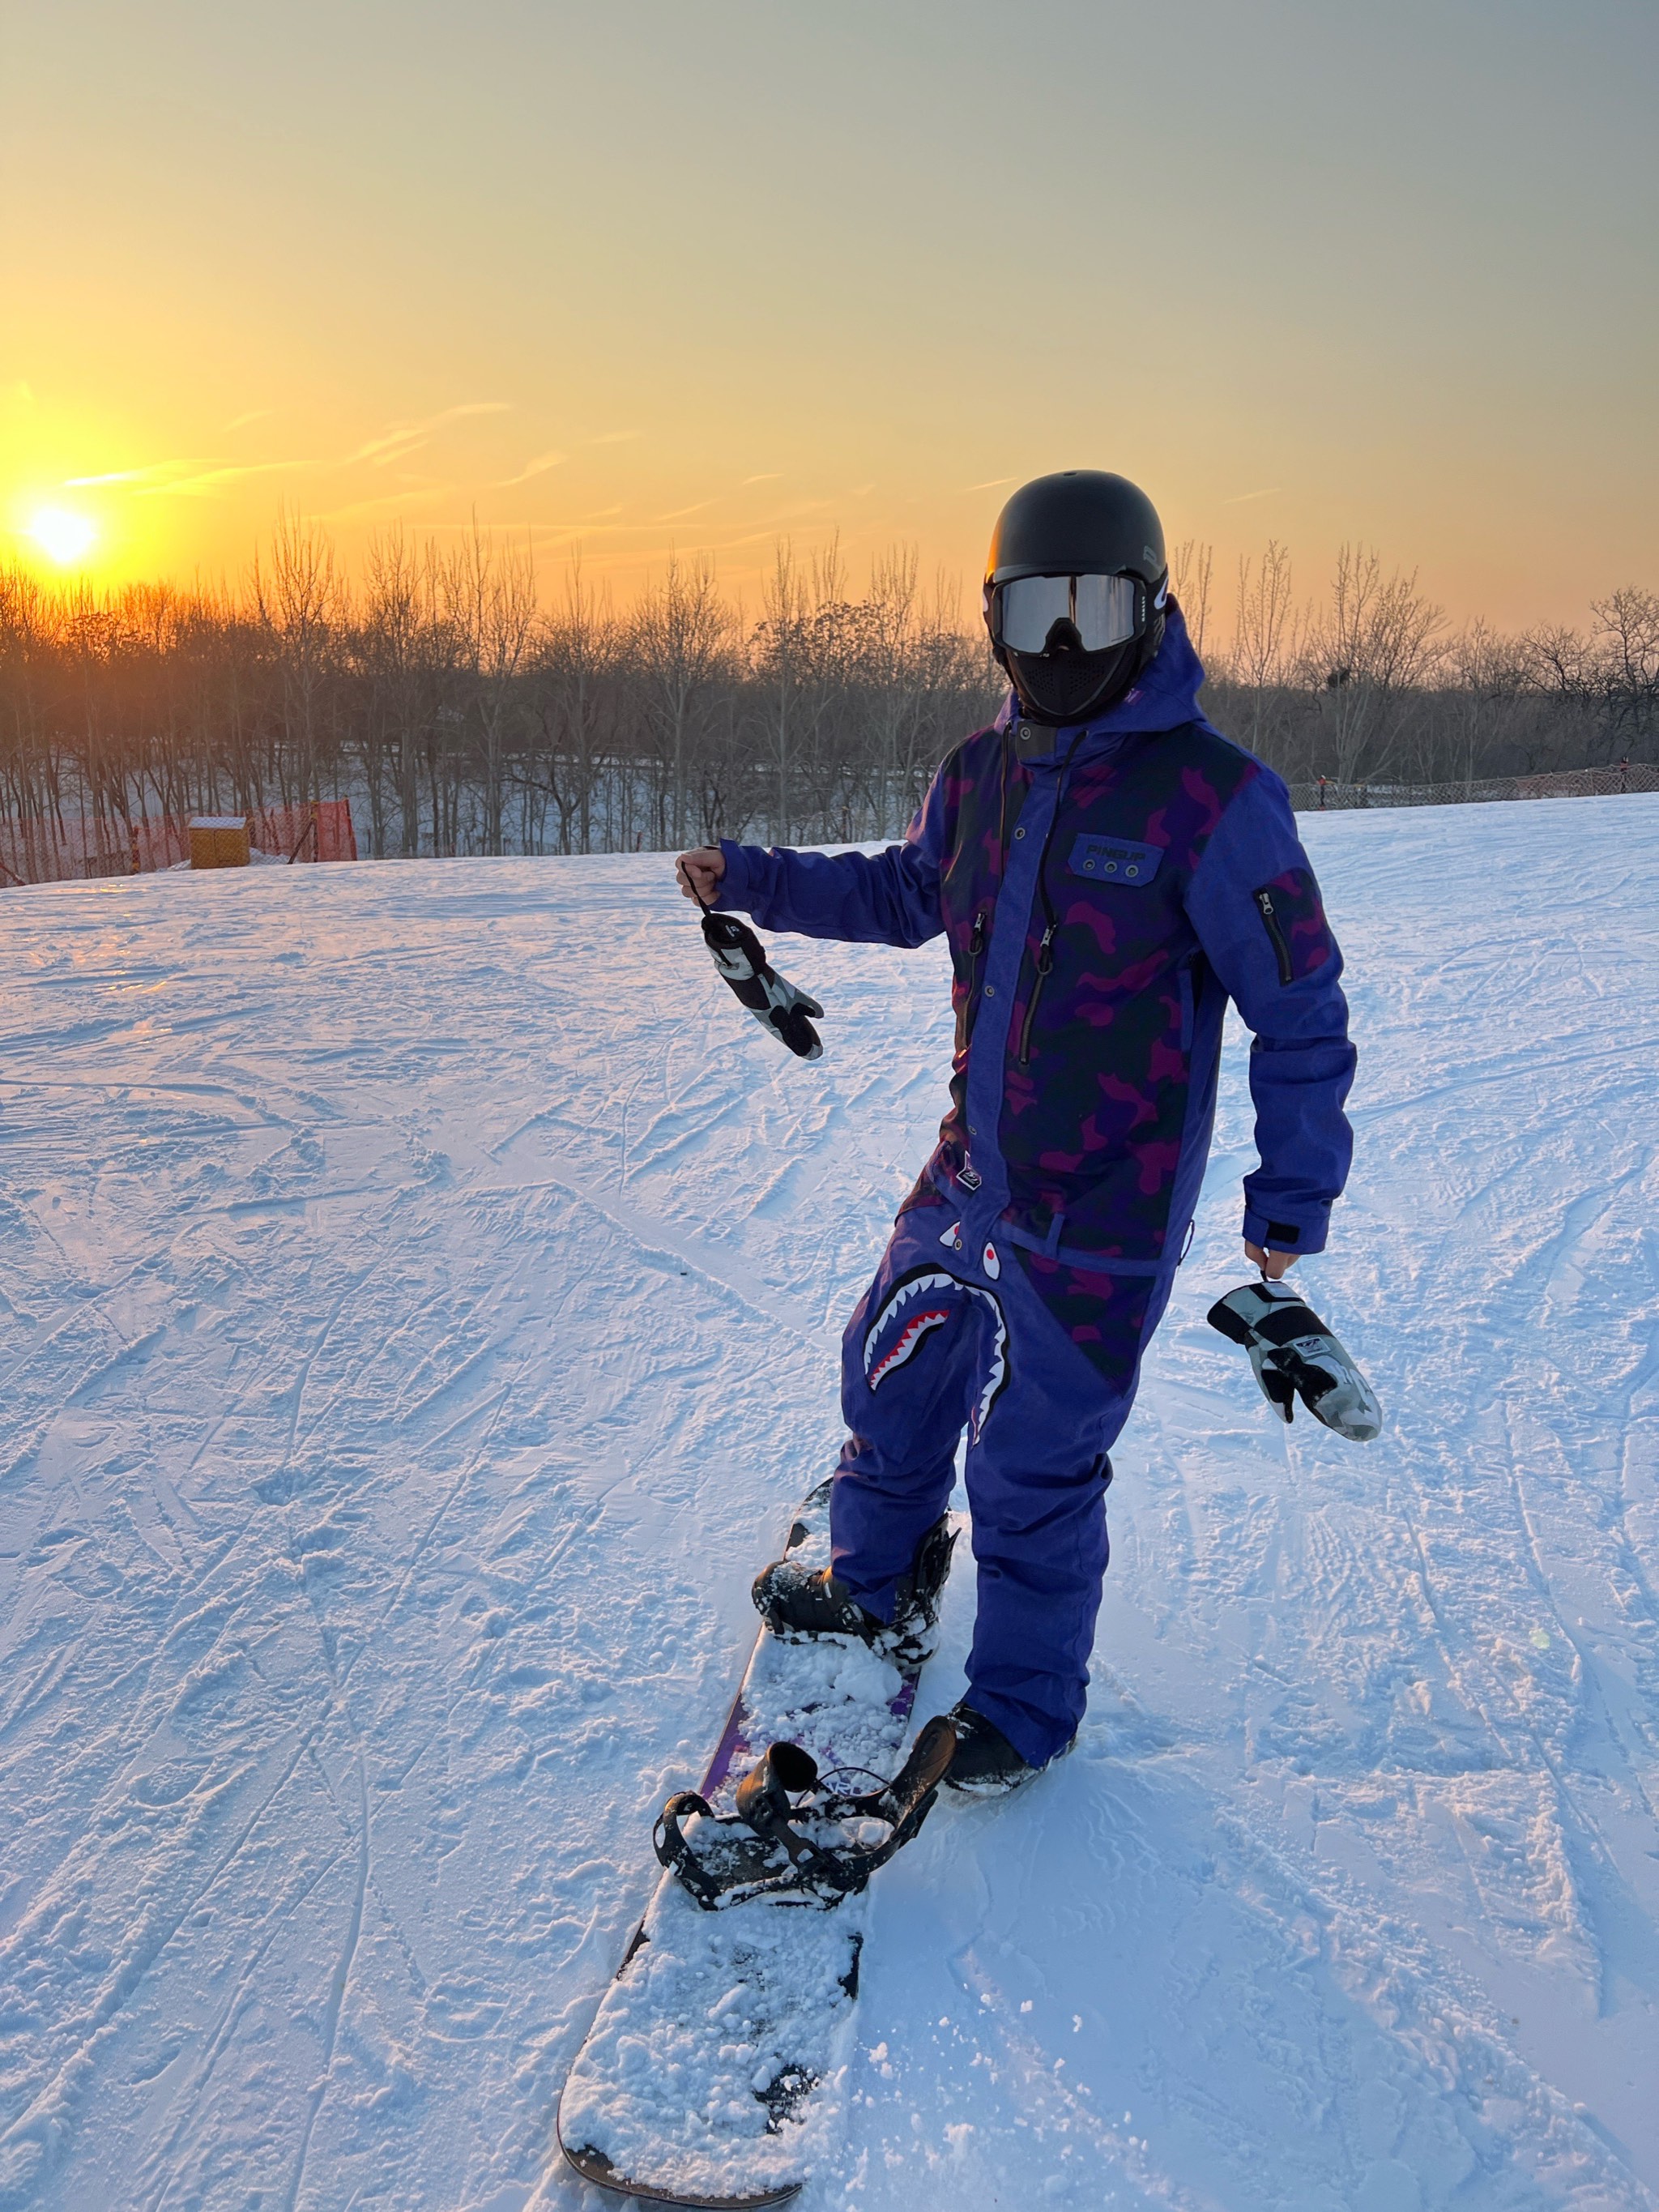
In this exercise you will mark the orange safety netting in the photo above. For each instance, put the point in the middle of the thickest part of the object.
(76, 847)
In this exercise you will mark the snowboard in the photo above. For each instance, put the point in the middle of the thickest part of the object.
(710, 2074)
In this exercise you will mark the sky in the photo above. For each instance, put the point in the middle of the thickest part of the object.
(651, 279)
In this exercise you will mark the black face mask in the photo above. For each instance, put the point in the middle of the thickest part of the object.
(1071, 687)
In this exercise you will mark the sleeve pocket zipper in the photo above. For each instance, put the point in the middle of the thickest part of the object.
(1271, 923)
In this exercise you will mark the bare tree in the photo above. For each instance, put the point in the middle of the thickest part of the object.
(395, 650)
(1267, 633)
(576, 673)
(298, 597)
(782, 658)
(1453, 731)
(489, 600)
(1377, 638)
(1627, 626)
(1190, 566)
(681, 640)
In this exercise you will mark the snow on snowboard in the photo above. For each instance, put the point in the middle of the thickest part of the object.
(709, 2074)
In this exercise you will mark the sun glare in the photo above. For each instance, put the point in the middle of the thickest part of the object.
(62, 535)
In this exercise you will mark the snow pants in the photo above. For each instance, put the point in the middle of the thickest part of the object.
(1039, 1366)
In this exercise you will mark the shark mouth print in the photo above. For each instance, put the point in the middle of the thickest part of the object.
(917, 1304)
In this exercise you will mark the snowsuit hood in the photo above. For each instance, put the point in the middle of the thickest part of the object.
(1165, 697)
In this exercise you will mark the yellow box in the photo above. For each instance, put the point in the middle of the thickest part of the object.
(219, 841)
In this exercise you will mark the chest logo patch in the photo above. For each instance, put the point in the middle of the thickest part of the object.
(1115, 860)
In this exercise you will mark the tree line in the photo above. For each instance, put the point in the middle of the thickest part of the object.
(1367, 683)
(460, 712)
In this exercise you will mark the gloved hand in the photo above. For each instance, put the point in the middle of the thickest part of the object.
(770, 998)
(1295, 1356)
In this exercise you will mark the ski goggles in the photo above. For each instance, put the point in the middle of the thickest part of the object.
(1103, 610)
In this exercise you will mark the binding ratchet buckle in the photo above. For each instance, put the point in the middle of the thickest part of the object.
(795, 1837)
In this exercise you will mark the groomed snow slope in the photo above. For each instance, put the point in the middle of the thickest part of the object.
(419, 1292)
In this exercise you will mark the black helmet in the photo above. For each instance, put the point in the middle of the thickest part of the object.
(1075, 584)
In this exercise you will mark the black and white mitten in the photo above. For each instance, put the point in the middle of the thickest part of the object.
(1295, 1355)
(770, 998)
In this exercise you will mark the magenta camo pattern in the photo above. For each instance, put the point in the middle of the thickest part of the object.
(1094, 1108)
(1104, 1316)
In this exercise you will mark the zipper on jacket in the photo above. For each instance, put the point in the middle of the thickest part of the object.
(1188, 1007)
(1045, 961)
(1264, 899)
(1044, 958)
(975, 952)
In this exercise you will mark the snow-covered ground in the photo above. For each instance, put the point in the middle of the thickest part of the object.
(419, 1290)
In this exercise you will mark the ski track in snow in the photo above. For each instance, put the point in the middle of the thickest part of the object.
(419, 1296)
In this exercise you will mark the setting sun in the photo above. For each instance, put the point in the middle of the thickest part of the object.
(62, 535)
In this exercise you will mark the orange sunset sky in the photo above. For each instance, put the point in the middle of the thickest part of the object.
(649, 276)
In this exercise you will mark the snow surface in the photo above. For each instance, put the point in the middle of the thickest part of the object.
(419, 1293)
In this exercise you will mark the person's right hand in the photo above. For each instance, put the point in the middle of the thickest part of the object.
(700, 872)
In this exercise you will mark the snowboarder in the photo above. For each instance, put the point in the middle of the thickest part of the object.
(1109, 870)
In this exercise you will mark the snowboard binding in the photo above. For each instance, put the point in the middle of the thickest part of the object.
(794, 1837)
(798, 1604)
(1295, 1356)
(770, 998)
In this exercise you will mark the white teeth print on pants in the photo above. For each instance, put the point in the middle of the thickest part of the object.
(924, 1300)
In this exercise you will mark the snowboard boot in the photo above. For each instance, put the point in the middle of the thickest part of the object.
(985, 1764)
(795, 1603)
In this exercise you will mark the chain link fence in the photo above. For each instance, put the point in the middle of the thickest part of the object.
(1327, 796)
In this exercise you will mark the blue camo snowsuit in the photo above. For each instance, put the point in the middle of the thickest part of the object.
(1104, 890)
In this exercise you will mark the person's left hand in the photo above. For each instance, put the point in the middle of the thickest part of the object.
(1273, 1265)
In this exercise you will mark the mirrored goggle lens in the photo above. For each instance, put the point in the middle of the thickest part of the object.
(1107, 610)
(1104, 610)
